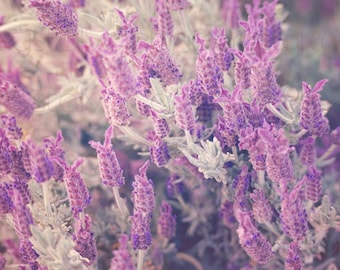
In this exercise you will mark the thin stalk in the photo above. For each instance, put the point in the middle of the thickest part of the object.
(140, 260)
(279, 114)
(327, 154)
(234, 151)
(128, 131)
(121, 207)
(190, 259)
(260, 177)
(47, 203)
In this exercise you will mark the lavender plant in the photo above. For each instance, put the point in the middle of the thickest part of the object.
(211, 159)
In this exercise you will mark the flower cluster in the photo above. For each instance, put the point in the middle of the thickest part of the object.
(97, 99)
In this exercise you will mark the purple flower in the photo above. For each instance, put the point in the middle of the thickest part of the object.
(231, 13)
(252, 241)
(209, 75)
(219, 45)
(110, 170)
(127, 32)
(294, 259)
(313, 184)
(77, 192)
(41, 167)
(160, 125)
(21, 216)
(335, 136)
(177, 4)
(6, 204)
(227, 215)
(143, 193)
(242, 71)
(12, 130)
(115, 108)
(308, 151)
(77, 3)
(85, 241)
(166, 224)
(58, 17)
(28, 254)
(311, 117)
(121, 257)
(6, 162)
(159, 153)
(184, 114)
(293, 214)
(165, 24)
(140, 230)
(262, 209)
(15, 99)
(193, 92)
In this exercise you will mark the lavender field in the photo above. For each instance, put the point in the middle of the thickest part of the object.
(169, 134)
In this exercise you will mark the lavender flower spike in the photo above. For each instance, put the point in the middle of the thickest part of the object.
(166, 225)
(76, 188)
(143, 193)
(110, 170)
(58, 17)
(121, 257)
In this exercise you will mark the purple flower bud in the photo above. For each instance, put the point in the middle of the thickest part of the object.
(193, 92)
(21, 216)
(22, 187)
(221, 50)
(127, 32)
(313, 182)
(41, 166)
(160, 125)
(227, 215)
(311, 117)
(143, 193)
(208, 73)
(263, 80)
(143, 109)
(56, 150)
(122, 257)
(294, 259)
(84, 240)
(184, 114)
(6, 162)
(12, 130)
(58, 17)
(15, 99)
(159, 153)
(241, 183)
(18, 170)
(165, 24)
(231, 13)
(166, 225)
(173, 189)
(262, 210)
(28, 254)
(242, 71)
(6, 204)
(77, 3)
(77, 191)
(252, 241)
(110, 170)
(177, 4)
(140, 230)
(293, 214)
(115, 108)
(308, 151)
(270, 29)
